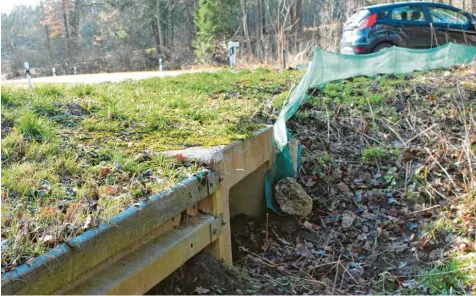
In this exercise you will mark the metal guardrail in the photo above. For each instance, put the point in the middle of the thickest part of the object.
(137, 227)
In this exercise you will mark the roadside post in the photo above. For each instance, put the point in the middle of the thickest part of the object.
(74, 70)
(160, 64)
(27, 72)
(232, 47)
(54, 71)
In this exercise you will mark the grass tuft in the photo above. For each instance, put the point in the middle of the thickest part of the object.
(35, 128)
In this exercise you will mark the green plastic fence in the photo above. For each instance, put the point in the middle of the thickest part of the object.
(329, 66)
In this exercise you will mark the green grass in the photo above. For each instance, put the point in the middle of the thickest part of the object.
(450, 277)
(74, 148)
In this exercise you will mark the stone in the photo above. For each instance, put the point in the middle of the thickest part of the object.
(291, 197)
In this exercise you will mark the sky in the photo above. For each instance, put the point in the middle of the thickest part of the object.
(7, 5)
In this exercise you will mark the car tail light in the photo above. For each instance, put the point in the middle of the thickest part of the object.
(359, 49)
(368, 22)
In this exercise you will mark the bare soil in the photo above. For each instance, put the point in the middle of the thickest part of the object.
(203, 274)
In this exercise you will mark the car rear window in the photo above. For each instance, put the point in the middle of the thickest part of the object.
(358, 16)
(383, 14)
(447, 16)
(412, 13)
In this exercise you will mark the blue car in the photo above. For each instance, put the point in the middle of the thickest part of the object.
(406, 24)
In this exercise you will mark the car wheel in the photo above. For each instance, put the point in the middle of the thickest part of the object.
(381, 47)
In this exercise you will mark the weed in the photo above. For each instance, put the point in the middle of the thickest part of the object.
(374, 154)
(374, 99)
(324, 159)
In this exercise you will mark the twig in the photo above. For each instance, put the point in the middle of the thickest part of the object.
(426, 209)
(328, 125)
(451, 271)
(351, 276)
(335, 278)
(441, 167)
(394, 132)
(267, 216)
(408, 166)
(424, 131)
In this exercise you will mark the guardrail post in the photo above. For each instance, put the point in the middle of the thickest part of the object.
(216, 204)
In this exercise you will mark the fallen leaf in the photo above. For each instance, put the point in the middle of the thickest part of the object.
(348, 219)
(410, 284)
(393, 201)
(407, 155)
(267, 244)
(48, 239)
(112, 191)
(200, 290)
(307, 224)
(180, 157)
(104, 171)
(343, 187)
(88, 223)
(283, 241)
(30, 261)
(310, 183)
(301, 249)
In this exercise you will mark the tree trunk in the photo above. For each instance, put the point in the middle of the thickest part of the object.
(75, 26)
(159, 27)
(258, 30)
(170, 24)
(47, 31)
(155, 34)
(263, 17)
(68, 35)
(299, 15)
(244, 20)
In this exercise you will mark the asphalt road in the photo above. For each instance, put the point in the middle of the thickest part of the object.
(100, 77)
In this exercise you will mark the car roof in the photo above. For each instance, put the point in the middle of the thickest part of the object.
(389, 5)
